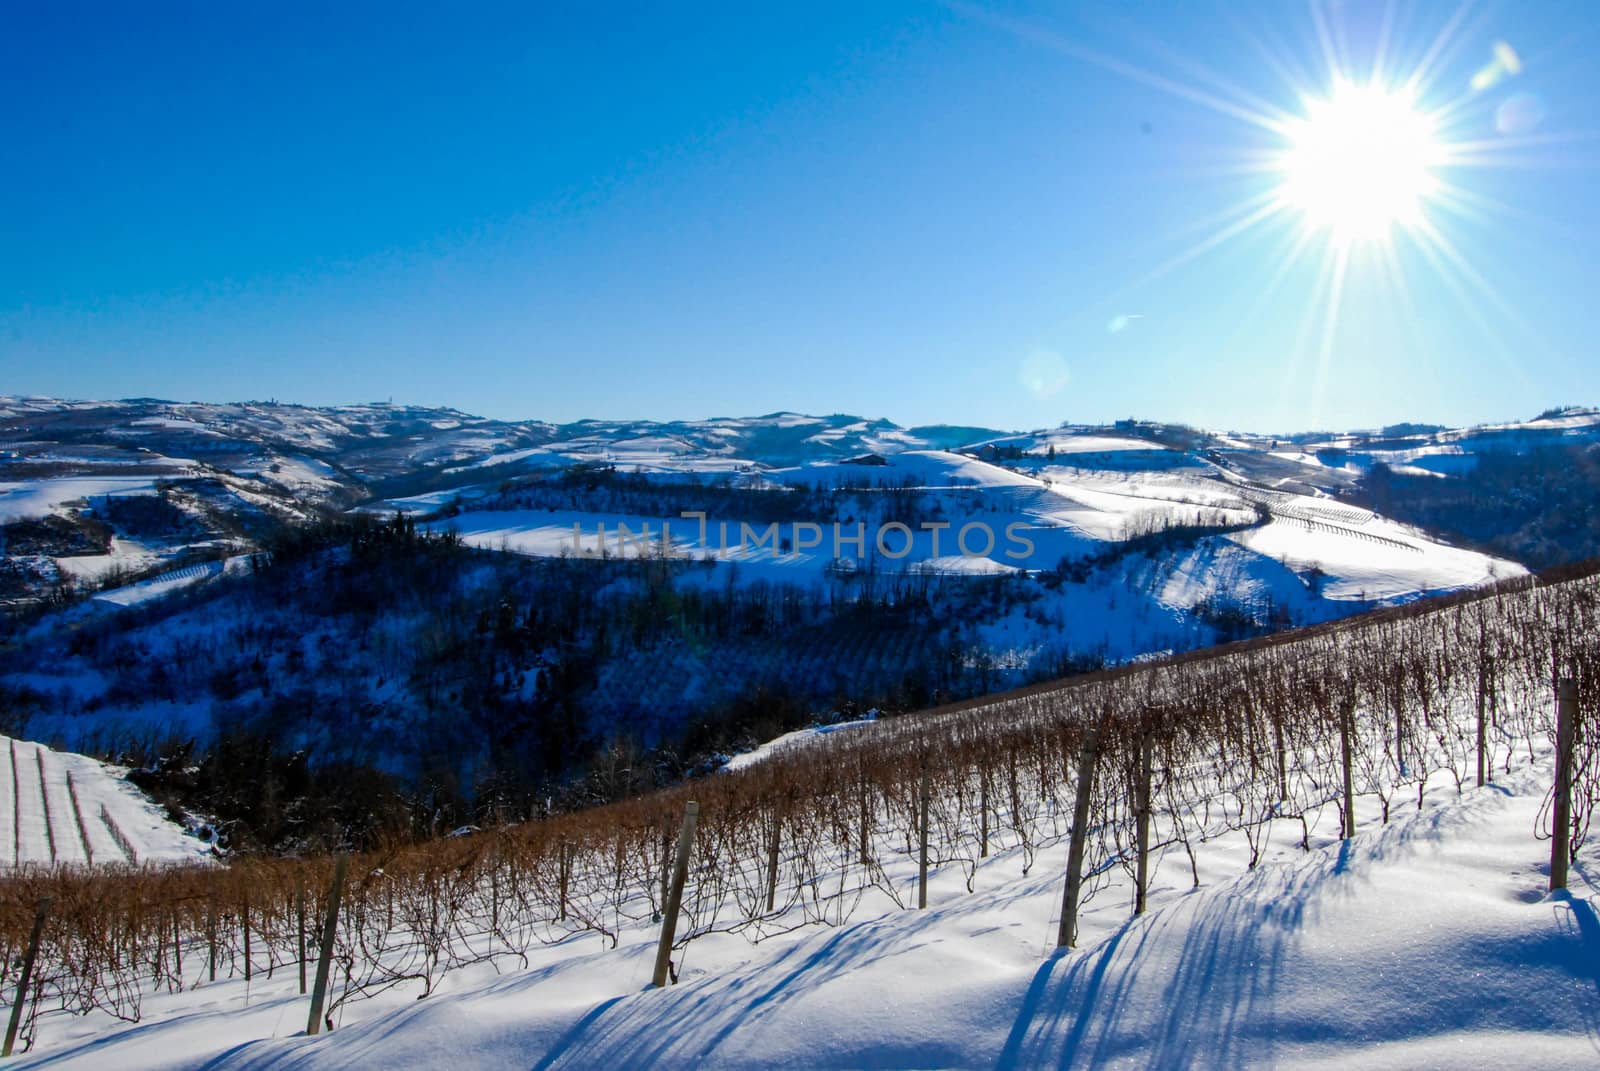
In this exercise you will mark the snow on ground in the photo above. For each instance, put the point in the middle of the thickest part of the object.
(1226, 568)
(785, 420)
(507, 458)
(889, 442)
(649, 454)
(294, 473)
(833, 435)
(173, 424)
(1413, 470)
(962, 565)
(125, 554)
(927, 468)
(1064, 512)
(798, 738)
(1091, 444)
(428, 502)
(1164, 488)
(1299, 457)
(101, 458)
(61, 808)
(1566, 420)
(1428, 942)
(668, 464)
(166, 583)
(38, 498)
(1107, 512)
(1381, 560)
(559, 533)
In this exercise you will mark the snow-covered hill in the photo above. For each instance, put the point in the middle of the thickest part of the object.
(346, 453)
(1266, 542)
(316, 451)
(223, 474)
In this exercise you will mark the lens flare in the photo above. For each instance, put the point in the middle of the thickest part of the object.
(1520, 113)
(1044, 373)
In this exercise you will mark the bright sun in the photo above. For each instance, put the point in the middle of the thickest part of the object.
(1359, 163)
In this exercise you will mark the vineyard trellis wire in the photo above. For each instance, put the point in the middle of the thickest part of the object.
(1238, 741)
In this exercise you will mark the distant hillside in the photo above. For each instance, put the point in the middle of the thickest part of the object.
(99, 494)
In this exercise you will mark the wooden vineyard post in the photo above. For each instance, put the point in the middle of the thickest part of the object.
(666, 866)
(866, 824)
(1348, 825)
(16, 812)
(566, 877)
(245, 918)
(211, 930)
(330, 925)
(1483, 719)
(669, 917)
(773, 846)
(300, 925)
(983, 811)
(26, 976)
(1067, 935)
(1399, 743)
(494, 893)
(922, 839)
(1141, 886)
(1283, 756)
(159, 963)
(616, 865)
(1561, 813)
(135, 931)
(1013, 796)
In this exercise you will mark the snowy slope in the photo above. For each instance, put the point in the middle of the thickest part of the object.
(165, 583)
(66, 809)
(319, 453)
(1350, 554)
(1429, 942)
(798, 738)
(21, 500)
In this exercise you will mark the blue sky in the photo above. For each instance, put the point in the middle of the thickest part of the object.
(978, 214)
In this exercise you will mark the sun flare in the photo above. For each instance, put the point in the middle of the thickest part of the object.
(1360, 162)
(1359, 196)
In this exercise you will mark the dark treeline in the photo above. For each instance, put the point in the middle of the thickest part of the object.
(1541, 507)
(602, 488)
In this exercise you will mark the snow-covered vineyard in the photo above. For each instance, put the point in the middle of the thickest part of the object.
(1267, 916)
(60, 809)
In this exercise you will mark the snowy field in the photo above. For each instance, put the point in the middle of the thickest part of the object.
(22, 500)
(91, 569)
(61, 808)
(1427, 942)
